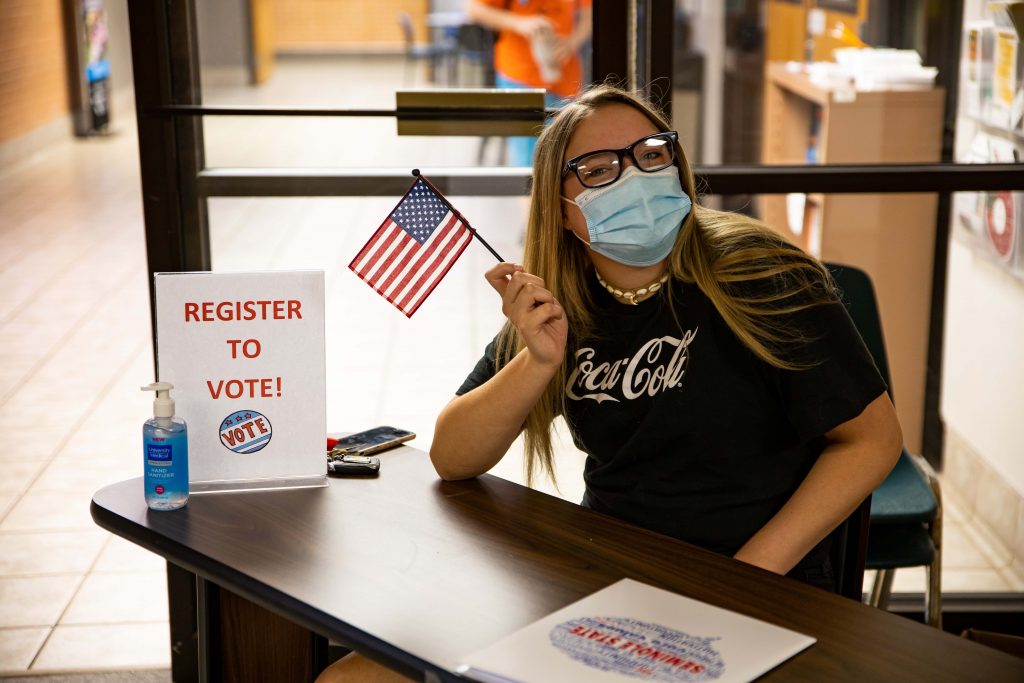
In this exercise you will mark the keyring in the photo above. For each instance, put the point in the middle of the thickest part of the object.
(338, 452)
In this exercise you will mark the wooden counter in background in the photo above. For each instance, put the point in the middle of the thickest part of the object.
(891, 236)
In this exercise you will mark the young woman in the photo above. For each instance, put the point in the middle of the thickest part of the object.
(705, 366)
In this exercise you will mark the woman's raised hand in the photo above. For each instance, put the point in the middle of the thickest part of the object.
(533, 310)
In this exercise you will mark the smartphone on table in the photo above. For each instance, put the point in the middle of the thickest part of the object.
(371, 441)
(351, 455)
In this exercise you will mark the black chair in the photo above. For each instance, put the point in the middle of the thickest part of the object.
(476, 46)
(905, 528)
(434, 53)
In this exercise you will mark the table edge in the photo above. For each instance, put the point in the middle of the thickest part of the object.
(260, 593)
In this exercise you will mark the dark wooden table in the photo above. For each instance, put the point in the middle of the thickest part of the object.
(414, 572)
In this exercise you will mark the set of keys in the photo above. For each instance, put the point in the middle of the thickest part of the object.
(343, 461)
(341, 451)
(351, 454)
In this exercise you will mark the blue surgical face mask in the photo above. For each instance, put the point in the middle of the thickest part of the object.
(635, 220)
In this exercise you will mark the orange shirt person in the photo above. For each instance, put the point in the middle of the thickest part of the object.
(528, 30)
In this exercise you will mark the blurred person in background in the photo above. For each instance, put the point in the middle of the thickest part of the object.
(538, 47)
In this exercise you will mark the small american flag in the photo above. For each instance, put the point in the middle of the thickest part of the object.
(413, 249)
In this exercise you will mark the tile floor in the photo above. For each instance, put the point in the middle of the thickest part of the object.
(75, 347)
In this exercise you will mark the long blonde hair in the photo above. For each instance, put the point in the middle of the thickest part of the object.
(750, 274)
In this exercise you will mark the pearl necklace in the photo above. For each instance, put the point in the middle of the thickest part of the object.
(630, 295)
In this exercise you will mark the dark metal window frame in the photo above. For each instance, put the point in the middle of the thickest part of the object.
(176, 183)
(940, 177)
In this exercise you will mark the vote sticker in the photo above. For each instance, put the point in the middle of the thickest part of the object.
(639, 649)
(245, 431)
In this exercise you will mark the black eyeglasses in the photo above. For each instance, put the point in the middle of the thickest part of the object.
(603, 167)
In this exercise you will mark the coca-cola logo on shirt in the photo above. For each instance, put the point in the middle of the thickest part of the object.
(657, 366)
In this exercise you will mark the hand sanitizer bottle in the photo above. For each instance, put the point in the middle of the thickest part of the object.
(165, 450)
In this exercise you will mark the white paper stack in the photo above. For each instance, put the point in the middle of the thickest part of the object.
(634, 631)
(885, 68)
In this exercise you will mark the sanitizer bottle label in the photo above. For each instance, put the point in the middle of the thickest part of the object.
(158, 455)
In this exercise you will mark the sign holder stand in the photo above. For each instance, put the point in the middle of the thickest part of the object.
(246, 354)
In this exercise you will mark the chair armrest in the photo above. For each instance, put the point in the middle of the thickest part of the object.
(935, 528)
(928, 472)
(907, 495)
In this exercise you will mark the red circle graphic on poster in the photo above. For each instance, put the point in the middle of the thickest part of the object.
(1000, 222)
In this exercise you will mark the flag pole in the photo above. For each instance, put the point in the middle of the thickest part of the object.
(474, 233)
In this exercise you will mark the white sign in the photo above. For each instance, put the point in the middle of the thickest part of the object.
(245, 353)
(631, 631)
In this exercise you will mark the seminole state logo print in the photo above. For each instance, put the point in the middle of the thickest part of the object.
(639, 649)
(657, 366)
(245, 431)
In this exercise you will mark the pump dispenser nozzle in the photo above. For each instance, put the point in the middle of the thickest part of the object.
(163, 404)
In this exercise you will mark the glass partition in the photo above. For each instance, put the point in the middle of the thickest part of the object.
(355, 55)
(751, 75)
(753, 82)
(382, 367)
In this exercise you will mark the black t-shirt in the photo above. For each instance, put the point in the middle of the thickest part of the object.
(686, 431)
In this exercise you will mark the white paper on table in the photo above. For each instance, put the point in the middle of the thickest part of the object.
(262, 371)
(629, 631)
